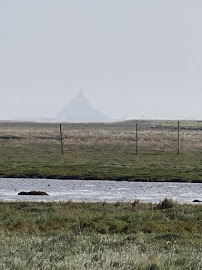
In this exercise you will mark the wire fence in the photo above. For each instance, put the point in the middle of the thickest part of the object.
(141, 136)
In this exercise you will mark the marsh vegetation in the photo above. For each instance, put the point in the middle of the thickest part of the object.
(100, 236)
(104, 151)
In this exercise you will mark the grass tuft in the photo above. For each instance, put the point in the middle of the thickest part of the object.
(166, 204)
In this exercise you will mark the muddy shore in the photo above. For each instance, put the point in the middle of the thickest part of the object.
(74, 177)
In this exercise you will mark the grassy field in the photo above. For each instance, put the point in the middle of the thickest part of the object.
(102, 151)
(100, 236)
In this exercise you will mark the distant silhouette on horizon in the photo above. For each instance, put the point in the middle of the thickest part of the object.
(80, 110)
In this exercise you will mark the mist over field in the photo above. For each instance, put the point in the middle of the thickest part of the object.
(131, 59)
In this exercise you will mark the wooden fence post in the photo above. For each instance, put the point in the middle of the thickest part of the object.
(61, 139)
(136, 140)
(178, 137)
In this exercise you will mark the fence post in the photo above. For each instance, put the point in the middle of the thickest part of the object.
(61, 139)
(178, 137)
(136, 140)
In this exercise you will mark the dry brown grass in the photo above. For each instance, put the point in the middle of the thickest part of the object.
(151, 137)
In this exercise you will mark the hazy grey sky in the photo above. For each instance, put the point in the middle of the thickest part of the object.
(131, 58)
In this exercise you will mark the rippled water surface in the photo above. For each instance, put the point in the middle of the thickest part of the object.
(94, 190)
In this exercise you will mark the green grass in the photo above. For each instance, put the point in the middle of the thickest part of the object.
(103, 162)
(93, 252)
(126, 218)
(100, 236)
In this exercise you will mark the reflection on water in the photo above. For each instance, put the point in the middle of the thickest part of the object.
(94, 190)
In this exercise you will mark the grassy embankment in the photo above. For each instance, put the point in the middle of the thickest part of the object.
(104, 151)
(100, 236)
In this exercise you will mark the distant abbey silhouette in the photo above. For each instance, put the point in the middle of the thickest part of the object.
(79, 110)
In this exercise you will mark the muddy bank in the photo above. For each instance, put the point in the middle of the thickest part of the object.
(76, 177)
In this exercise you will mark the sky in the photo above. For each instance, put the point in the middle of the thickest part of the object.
(132, 58)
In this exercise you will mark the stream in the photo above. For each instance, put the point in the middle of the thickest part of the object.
(98, 190)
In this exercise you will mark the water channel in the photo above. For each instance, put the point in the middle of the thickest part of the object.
(95, 190)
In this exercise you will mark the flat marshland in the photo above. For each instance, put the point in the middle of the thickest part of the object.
(102, 151)
(100, 236)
